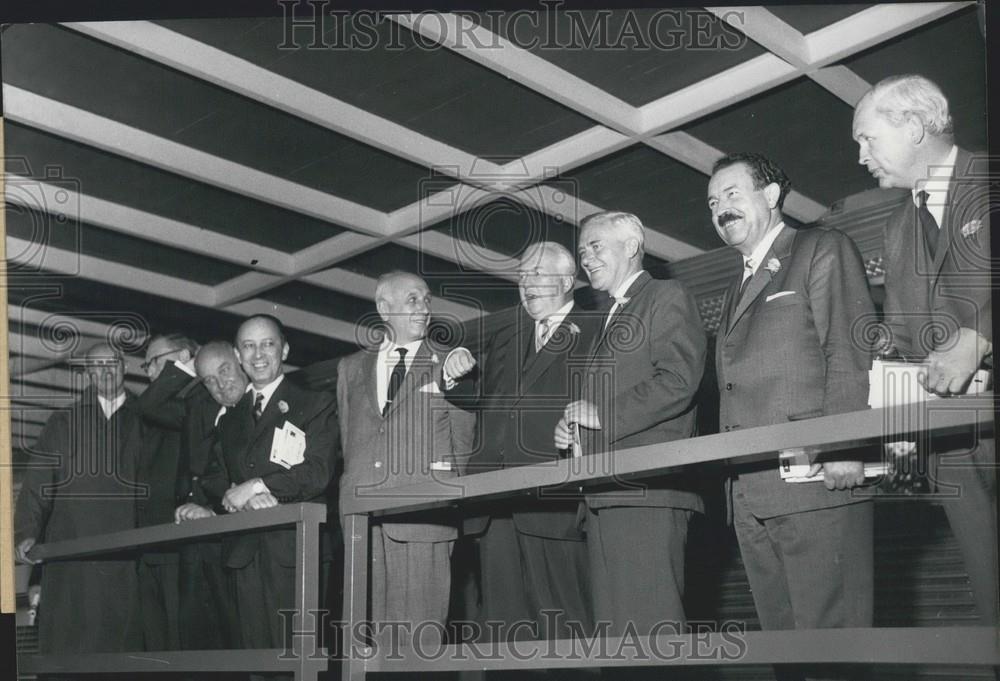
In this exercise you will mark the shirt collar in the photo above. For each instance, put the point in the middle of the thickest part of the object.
(938, 179)
(756, 257)
(268, 389)
(555, 319)
(390, 346)
(623, 289)
(109, 407)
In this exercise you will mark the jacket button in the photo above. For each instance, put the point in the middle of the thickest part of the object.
(512, 416)
(729, 386)
(252, 465)
(381, 429)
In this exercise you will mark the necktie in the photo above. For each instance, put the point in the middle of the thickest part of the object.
(928, 223)
(258, 406)
(541, 331)
(395, 380)
(747, 276)
(619, 302)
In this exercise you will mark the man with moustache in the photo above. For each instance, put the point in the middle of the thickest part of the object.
(262, 563)
(81, 482)
(938, 304)
(643, 374)
(785, 352)
(399, 430)
(167, 364)
(532, 554)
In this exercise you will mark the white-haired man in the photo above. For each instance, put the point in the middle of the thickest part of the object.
(643, 375)
(938, 304)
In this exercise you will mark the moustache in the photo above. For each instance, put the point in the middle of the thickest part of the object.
(727, 217)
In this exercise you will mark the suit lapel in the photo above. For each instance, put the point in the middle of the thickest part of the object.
(413, 379)
(633, 290)
(272, 412)
(369, 377)
(780, 249)
(959, 194)
(543, 360)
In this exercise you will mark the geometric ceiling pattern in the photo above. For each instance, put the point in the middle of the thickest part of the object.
(180, 174)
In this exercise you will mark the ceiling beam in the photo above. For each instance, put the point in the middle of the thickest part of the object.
(82, 126)
(127, 328)
(27, 349)
(148, 226)
(61, 261)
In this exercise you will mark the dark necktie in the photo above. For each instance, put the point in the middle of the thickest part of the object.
(747, 276)
(930, 226)
(395, 380)
(258, 406)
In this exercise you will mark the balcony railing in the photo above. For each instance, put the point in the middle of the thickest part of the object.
(910, 646)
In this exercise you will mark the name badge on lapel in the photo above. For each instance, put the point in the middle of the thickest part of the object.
(288, 446)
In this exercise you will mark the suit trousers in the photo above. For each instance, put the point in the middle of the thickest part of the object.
(411, 585)
(809, 570)
(967, 484)
(636, 556)
(207, 619)
(158, 600)
(538, 580)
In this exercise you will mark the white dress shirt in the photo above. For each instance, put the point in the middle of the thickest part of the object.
(752, 262)
(552, 323)
(109, 407)
(619, 293)
(384, 363)
(267, 391)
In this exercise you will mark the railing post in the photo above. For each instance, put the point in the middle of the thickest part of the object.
(355, 652)
(307, 566)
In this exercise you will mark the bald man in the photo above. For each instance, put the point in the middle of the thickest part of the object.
(80, 482)
(532, 554)
(398, 429)
(262, 564)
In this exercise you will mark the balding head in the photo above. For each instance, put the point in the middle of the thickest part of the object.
(546, 273)
(261, 344)
(404, 304)
(218, 366)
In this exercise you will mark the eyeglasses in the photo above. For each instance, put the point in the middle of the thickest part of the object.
(149, 362)
(95, 362)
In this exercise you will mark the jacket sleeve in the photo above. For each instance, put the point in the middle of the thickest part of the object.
(34, 502)
(310, 478)
(157, 404)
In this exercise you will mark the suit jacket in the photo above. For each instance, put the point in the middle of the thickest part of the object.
(245, 448)
(795, 355)
(523, 397)
(643, 376)
(159, 462)
(82, 482)
(420, 428)
(951, 290)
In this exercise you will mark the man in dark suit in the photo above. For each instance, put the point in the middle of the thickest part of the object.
(398, 429)
(938, 304)
(642, 378)
(263, 563)
(82, 482)
(532, 554)
(206, 612)
(785, 352)
(158, 469)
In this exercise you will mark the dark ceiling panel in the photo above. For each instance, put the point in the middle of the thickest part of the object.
(808, 18)
(43, 231)
(133, 184)
(637, 55)
(96, 77)
(445, 279)
(323, 301)
(950, 52)
(108, 304)
(508, 226)
(428, 89)
(667, 196)
(803, 128)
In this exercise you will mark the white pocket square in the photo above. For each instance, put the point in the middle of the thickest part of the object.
(431, 387)
(779, 294)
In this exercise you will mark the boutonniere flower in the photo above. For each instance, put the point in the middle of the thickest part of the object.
(434, 358)
(971, 227)
(772, 265)
(283, 406)
(573, 328)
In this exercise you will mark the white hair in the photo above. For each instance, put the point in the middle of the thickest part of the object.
(562, 261)
(626, 226)
(897, 97)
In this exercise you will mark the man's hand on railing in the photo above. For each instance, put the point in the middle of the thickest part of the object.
(259, 502)
(22, 549)
(191, 511)
(578, 413)
(237, 496)
(950, 371)
(840, 474)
